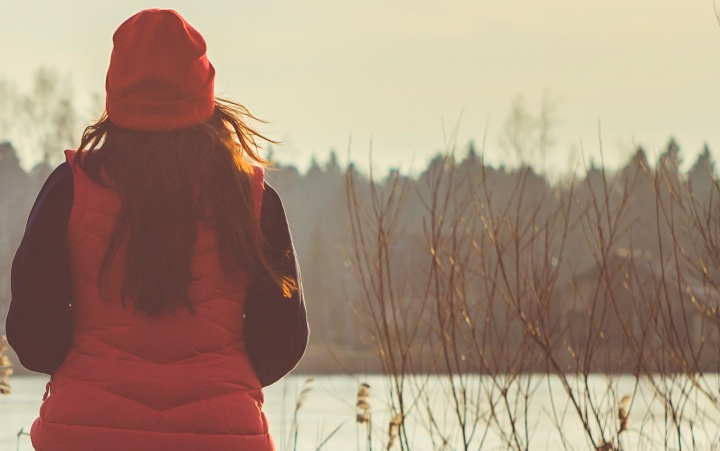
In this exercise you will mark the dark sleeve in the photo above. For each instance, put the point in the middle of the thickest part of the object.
(276, 328)
(39, 322)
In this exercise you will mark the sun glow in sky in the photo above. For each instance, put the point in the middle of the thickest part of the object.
(390, 73)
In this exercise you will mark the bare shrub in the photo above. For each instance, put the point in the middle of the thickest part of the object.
(603, 292)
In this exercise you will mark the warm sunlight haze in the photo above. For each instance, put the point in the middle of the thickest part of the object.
(401, 76)
(456, 225)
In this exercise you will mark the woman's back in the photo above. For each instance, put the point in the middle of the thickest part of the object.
(186, 373)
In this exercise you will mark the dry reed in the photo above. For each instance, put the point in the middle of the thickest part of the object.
(5, 368)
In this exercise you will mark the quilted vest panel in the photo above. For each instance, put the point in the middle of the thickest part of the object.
(168, 382)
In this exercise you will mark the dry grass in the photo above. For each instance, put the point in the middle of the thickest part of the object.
(5, 368)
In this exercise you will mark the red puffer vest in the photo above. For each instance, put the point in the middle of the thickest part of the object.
(163, 383)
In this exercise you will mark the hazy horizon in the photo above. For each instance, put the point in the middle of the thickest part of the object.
(388, 76)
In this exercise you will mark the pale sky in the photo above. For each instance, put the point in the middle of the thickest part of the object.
(391, 72)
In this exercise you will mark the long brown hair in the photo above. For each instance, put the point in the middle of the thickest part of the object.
(167, 181)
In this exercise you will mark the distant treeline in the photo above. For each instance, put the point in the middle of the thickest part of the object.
(319, 203)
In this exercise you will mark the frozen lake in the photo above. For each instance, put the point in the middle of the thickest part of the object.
(330, 404)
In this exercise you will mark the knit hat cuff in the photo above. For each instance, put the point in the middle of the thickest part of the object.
(162, 116)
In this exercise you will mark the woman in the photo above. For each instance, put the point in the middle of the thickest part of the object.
(156, 280)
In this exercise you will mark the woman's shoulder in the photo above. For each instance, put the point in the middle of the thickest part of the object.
(54, 200)
(59, 180)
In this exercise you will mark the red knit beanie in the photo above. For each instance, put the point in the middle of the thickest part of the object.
(159, 77)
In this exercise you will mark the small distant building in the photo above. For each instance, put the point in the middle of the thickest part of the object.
(631, 311)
